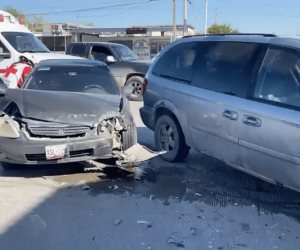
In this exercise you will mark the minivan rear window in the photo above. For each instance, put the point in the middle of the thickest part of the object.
(177, 63)
(279, 79)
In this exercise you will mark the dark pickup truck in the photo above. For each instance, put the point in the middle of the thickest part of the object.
(122, 61)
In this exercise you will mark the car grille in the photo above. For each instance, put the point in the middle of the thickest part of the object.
(73, 154)
(58, 131)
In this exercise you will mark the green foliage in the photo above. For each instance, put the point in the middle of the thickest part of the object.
(221, 29)
(34, 23)
(14, 11)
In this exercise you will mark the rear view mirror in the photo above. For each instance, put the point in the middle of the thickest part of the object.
(127, 90)
(5, 55)
(110, 59)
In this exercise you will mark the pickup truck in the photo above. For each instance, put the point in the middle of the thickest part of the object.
(122, 61)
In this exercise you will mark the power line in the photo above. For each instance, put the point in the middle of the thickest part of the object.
(90, 9)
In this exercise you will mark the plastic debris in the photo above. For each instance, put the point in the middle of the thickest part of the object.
(118, 221)
(177, 243)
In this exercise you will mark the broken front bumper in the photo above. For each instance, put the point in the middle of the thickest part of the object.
(26, 151)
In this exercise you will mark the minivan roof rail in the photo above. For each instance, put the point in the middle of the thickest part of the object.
(234, 34)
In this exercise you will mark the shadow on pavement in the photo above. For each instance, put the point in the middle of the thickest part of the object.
(75, 219)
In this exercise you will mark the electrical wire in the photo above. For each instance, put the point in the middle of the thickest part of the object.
(91, 9)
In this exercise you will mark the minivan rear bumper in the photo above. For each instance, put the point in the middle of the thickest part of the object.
(147, 116)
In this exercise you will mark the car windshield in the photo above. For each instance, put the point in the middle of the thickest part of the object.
(125, 53)
(82, 79)
(25, 42)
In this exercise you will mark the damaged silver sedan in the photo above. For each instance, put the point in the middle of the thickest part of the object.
(67, 111)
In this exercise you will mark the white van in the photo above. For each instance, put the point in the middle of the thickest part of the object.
(16, 40)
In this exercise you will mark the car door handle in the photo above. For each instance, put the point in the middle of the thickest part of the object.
(232, 115)
(251, 121)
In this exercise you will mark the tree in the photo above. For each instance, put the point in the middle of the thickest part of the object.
(221, 29)
(34, 23)
(16, 13)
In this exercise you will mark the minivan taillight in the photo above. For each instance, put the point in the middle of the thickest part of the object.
(145, 84)
(1, 18)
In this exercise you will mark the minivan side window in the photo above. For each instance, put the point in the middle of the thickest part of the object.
(78, 50)
(226, 67)
(177, 63)
(279, 78)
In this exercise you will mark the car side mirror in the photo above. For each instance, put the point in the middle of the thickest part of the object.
(110, 59)
(5, 55)
(127, 90)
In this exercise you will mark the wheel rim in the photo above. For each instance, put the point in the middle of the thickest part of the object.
(166, 137)
(137, 88)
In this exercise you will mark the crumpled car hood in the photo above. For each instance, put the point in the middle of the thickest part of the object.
(63, 107)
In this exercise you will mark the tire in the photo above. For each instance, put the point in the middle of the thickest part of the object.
(168, 136)
(137, 83)
(129, 137)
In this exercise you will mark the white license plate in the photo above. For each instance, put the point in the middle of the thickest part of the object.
(55, 152)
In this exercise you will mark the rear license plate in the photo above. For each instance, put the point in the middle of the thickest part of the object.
(55, 152)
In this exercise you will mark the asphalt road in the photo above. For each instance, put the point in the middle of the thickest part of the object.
(199, 204)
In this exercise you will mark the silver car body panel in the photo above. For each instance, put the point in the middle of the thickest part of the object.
(267, 149)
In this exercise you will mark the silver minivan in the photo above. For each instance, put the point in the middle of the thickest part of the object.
(234, 97)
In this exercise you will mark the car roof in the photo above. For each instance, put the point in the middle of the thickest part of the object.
(255, 38)
(99, 43)
(71, 62)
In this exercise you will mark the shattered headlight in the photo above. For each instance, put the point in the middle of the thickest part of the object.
(111, 126)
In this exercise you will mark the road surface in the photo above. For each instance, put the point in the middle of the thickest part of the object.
(199, 204)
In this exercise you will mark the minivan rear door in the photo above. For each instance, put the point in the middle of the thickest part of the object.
(222, 76)
(269, 134)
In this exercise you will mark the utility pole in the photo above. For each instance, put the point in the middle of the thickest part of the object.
(185, 30)
(206, 13)
(174, 21)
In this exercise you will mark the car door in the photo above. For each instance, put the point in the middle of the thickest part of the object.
(222, 76)
(269, 134)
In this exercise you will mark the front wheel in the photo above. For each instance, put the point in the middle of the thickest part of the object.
(169, 137)
(136, 82)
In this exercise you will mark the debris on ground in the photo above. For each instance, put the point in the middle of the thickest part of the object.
(144, 222)
(118, 221)
(166, 203)
(94, 166)
(177, 243)
(152, 197)
(83, 185)
(135, 159)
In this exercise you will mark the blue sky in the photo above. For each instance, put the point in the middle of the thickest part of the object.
(271, 16)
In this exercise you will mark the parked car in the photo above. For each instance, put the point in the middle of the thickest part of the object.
(67, 111)
(122, 61)
(234, 97)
